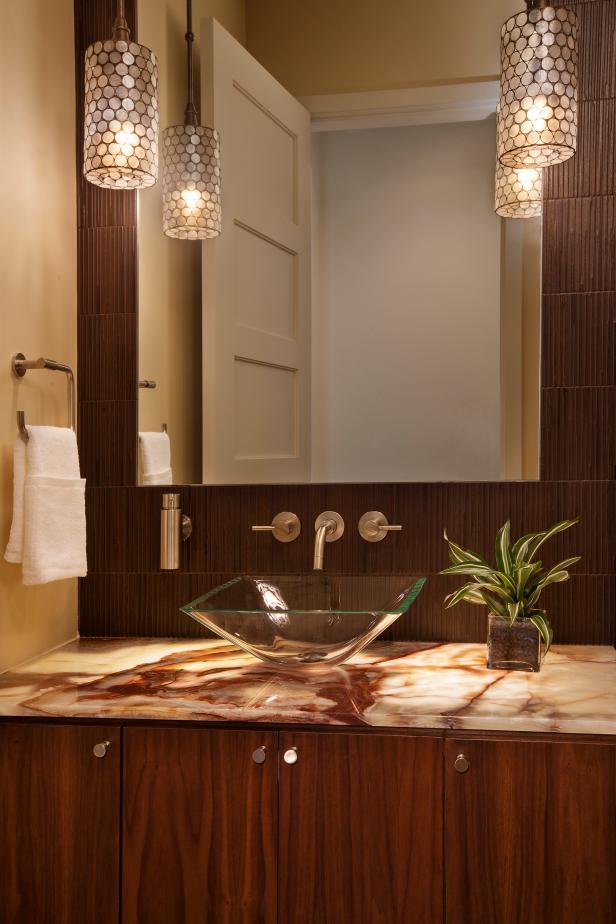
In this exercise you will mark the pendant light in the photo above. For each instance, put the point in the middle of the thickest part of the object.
(537, 119)
(120, 145)
(191, 168)
(518, 191)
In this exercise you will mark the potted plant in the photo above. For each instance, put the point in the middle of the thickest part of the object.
(516, 624)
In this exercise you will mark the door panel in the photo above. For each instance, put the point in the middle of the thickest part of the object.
(200, 822)
(530, 833)
(59, 824)
(360, 829)
(256, 275)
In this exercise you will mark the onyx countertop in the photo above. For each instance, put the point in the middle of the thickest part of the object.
(394, 685)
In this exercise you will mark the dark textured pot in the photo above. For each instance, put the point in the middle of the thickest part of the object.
(516, 647)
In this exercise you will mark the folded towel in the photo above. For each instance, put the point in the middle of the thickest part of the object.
(15, 546)
(155, 458)
(48, 533)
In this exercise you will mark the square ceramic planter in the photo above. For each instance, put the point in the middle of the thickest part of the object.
(514, 647)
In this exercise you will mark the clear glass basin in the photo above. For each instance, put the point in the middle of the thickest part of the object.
(304, 620)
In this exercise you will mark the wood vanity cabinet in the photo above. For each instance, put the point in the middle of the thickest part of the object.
(530, 832)
(59, 824)
(303, 827)
(200, 826)
(360, 829)
(330, 827)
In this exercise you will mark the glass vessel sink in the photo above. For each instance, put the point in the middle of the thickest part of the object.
(304, 620)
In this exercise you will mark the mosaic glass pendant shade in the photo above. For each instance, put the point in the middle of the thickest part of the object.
(191, 182)
(120, 148)
(537, 117)
(191, 169)
(518, 192)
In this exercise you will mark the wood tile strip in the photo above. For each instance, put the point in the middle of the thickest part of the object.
(592, 172)
(578, 435)
(579, 245)
(578, 340)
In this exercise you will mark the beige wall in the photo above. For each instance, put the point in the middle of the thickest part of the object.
(38, 271)
(520, 348)
(350, 45)
(169, 270)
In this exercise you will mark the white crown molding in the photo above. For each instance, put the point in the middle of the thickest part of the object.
(460, 102)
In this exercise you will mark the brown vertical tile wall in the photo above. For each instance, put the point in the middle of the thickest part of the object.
(579, 272)
(126, 594)
(106, 296)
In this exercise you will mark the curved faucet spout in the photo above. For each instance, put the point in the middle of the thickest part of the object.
(319, 543)
(328, 527)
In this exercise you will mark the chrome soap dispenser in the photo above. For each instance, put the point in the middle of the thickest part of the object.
(175, 528)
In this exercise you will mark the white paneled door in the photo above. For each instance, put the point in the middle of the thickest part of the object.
(256, 275)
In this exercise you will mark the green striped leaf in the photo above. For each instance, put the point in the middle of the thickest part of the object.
(522, 575)
(539, 620)
(538, 580)
(513, 611)
(472, 569)
(459, 555)
(556, 577)
(461, 594)
(520, 547)
(494, 605)
(543, 537)
(502, 549)
(493, 588)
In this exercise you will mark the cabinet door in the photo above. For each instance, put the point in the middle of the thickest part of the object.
(530, 833)
(59, 824)
(360, 829)
(200, 820)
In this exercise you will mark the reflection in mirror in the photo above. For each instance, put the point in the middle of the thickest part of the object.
(365, 315)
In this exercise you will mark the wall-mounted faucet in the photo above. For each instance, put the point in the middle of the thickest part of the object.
(175, 528)
(328, 526)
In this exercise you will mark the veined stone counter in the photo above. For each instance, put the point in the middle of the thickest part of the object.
(394, 685)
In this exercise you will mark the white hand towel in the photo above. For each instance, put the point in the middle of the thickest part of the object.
(155, 457)
(15, 547)
(48, 534)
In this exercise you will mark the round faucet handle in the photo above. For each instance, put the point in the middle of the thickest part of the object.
(374, 526)
(285, 527)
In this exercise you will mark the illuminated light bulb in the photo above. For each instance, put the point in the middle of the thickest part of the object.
(191, 197)
(537, 113)
(528, 177)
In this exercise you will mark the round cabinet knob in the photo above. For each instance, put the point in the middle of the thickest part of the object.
(100, 749)
(259, 755)
(461, 763)
(290, 756)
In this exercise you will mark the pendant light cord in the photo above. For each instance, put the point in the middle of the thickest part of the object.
(121, 32)
(190, 113)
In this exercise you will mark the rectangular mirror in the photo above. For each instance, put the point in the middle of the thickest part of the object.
(364, 315)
